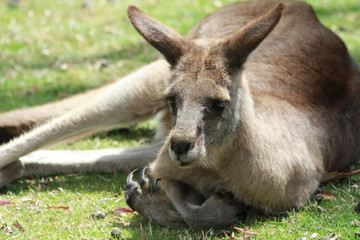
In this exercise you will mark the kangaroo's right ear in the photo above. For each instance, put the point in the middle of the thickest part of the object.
(245, 40)
(163, 38)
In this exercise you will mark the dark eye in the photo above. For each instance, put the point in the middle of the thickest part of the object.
(218, 106)
(171, 102)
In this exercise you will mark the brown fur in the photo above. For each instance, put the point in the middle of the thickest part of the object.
(263, 103)
(299, 85)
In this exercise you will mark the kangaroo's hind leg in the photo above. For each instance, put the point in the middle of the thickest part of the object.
(134, 98)
(15, 122)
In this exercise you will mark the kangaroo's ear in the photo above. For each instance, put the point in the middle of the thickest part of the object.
(163, 38)
(244, 41)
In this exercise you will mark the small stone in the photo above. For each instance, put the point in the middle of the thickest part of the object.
(13, 3)
(102, 63)
(324, 238)
(61, 66)
(86, 4)
(303, 238)
(98, 215)
(343, 28)
(314, 235)
(357, 234)
(115, 234)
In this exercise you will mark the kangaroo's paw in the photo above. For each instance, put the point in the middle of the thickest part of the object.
(10, 173)
(199, 212)
(182, 205)
(148, 200)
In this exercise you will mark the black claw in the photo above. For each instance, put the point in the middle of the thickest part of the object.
(154, 183)
(130, 183)
(131, 189)
(143, 170)
(140, 191)
(144, 180)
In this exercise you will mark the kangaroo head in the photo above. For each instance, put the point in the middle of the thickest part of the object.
(202, 92)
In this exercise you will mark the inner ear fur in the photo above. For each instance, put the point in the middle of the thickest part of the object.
(163, 38)
(243, 42)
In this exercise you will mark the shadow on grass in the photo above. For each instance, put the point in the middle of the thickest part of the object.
(81, 183)
(45, 91)
(135, 50)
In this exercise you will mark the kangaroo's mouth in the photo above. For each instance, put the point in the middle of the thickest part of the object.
(184, 164)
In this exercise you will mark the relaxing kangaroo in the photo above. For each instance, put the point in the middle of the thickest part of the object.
(257, 104)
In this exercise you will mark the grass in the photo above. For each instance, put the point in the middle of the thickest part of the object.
(51, 49)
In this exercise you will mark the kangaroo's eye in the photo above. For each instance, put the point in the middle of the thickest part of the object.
(170, 100)
(218, 106)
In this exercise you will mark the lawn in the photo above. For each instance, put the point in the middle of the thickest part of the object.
(51, 49)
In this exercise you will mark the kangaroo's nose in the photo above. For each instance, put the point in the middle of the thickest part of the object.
(181, 147)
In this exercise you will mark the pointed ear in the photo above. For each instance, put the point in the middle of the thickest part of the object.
(243, 42)
(163, 38)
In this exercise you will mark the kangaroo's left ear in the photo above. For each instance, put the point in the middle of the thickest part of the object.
(163, 38)
(243, 42)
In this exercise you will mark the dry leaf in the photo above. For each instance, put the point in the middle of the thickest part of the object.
(59, 207)
(317, 208)
(246, 232)
(121, 209)
(18, 226)
(111, 197)
(120, 224)
(328, 193)
(28, 198)
(3, 203)
(328, 197)
(105, 179)
(333, 176)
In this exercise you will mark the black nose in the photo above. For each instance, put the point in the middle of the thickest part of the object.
(181, 147)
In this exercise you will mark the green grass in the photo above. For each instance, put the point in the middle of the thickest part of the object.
(50, 49)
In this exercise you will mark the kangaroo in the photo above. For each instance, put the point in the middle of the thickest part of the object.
(257, 105)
